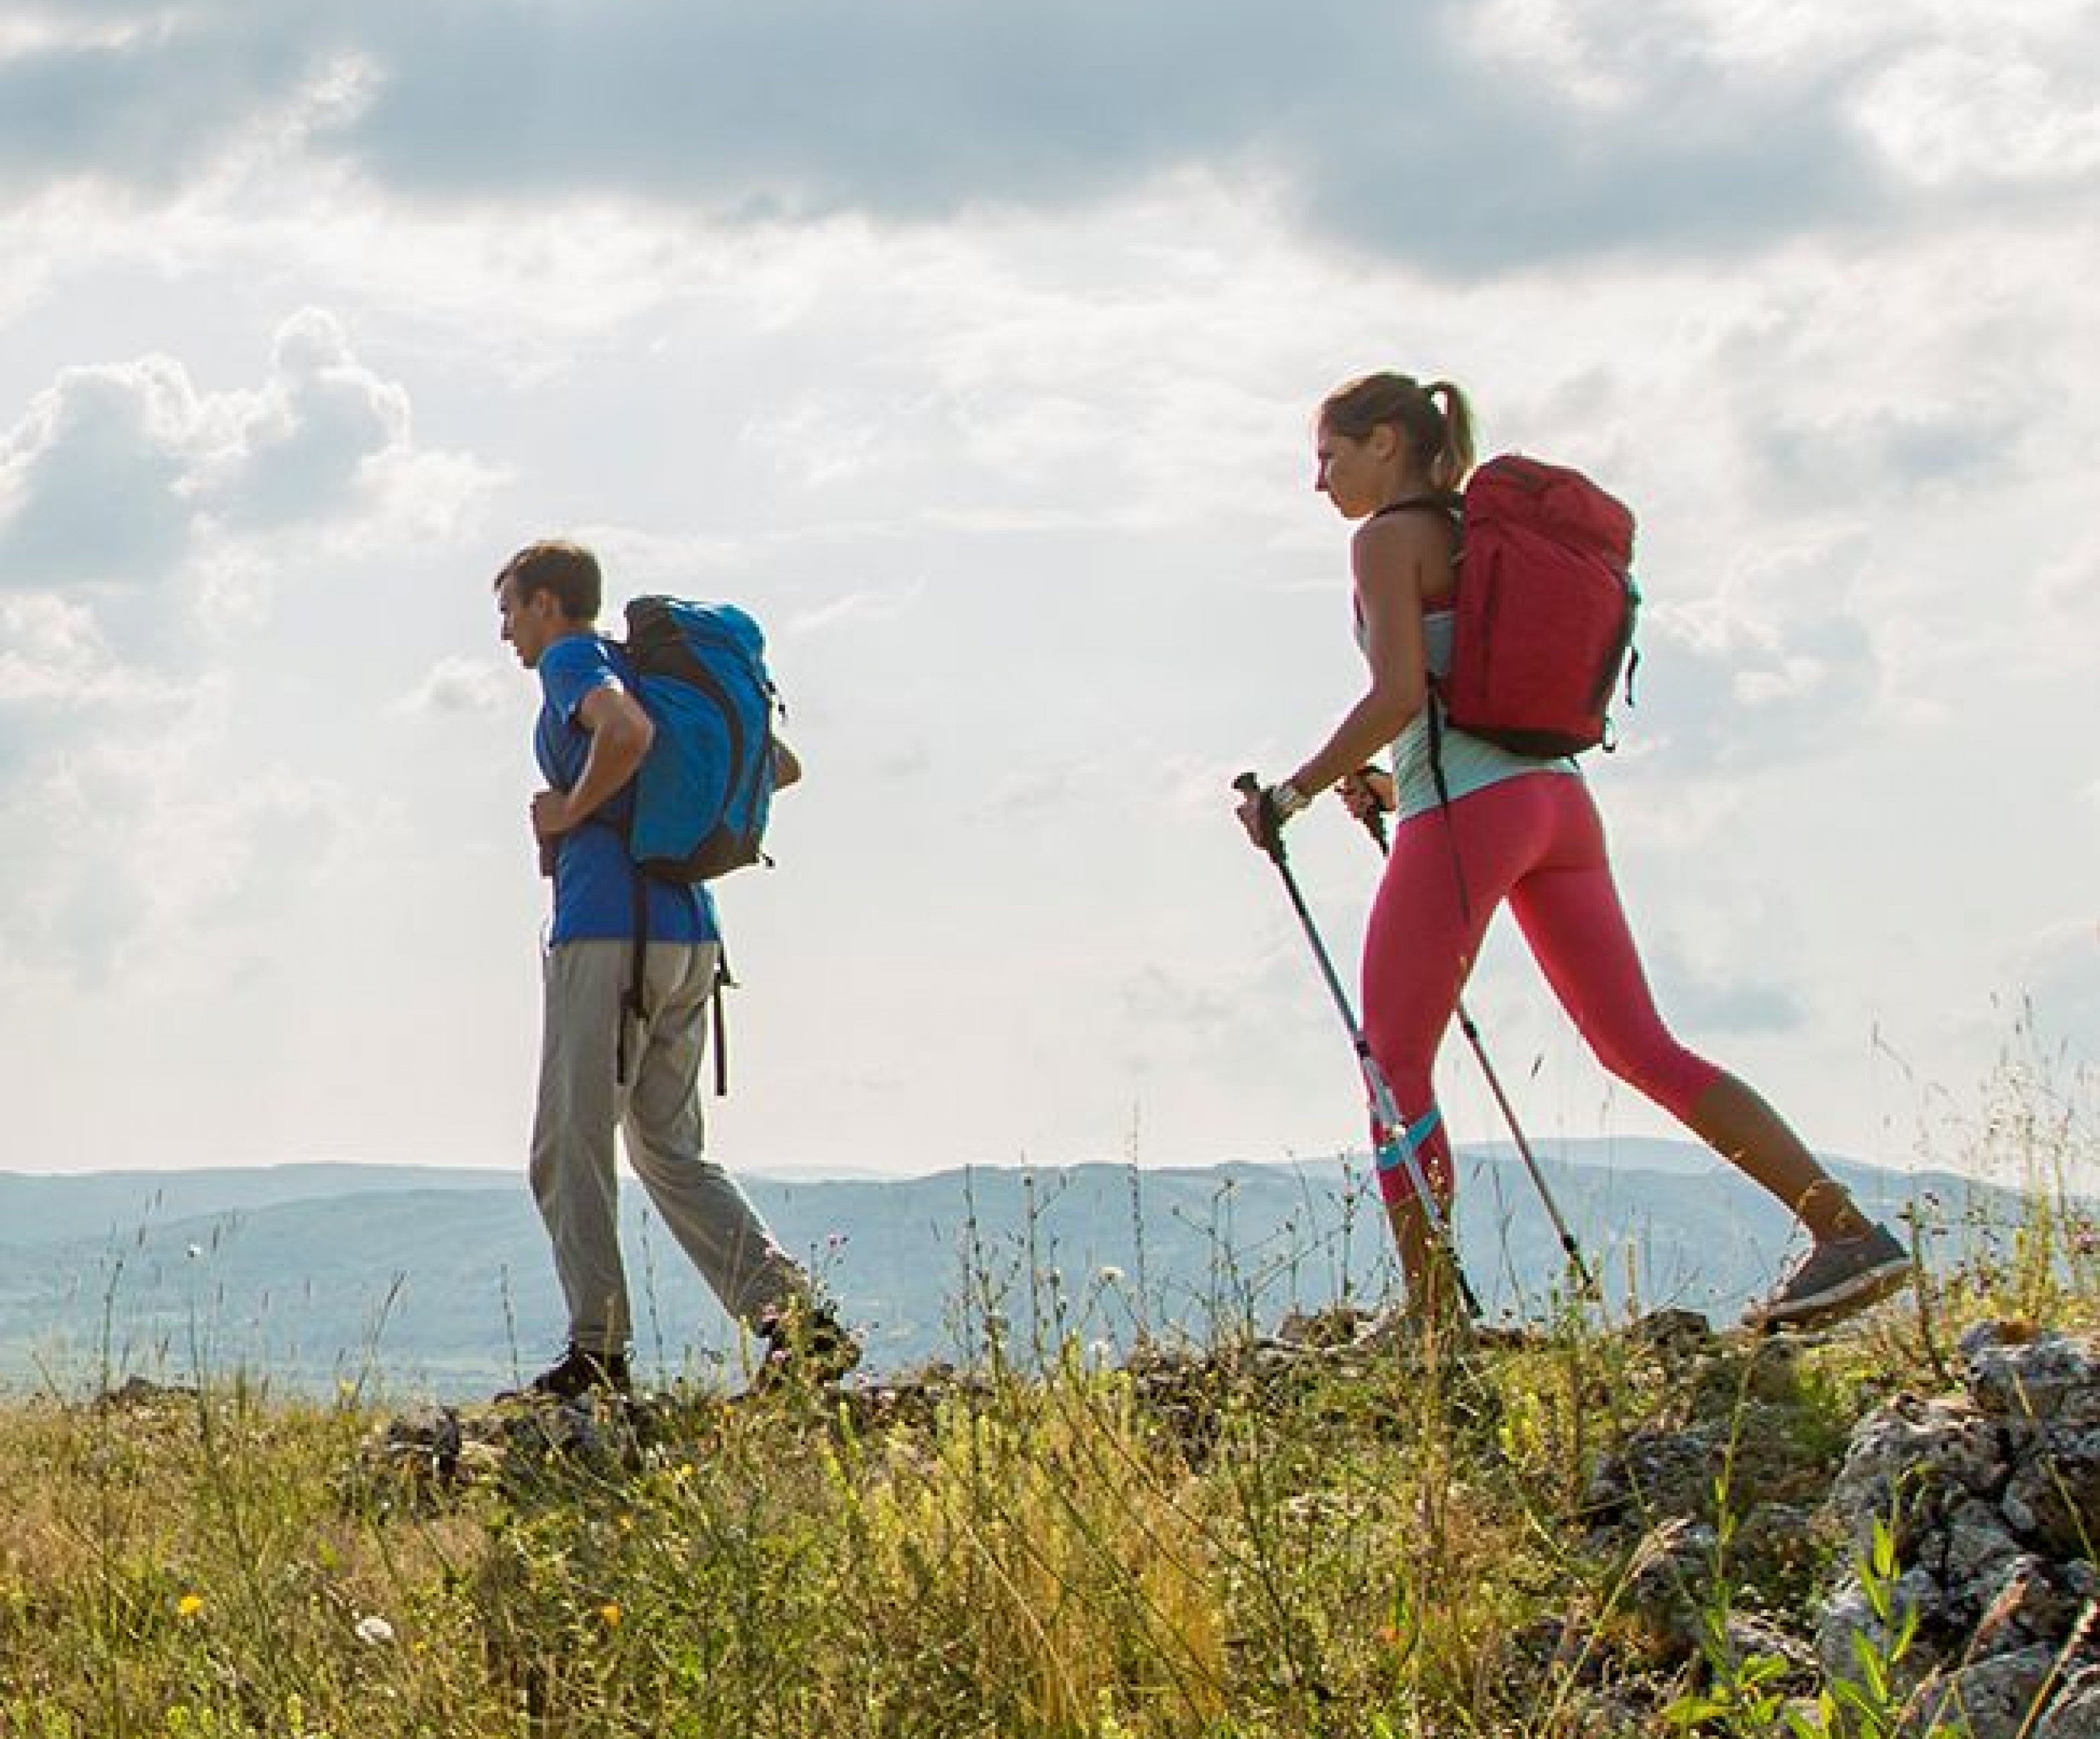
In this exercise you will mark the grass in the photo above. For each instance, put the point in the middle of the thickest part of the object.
(1346, 1543)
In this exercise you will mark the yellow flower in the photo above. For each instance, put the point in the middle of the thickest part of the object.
(189, 1606)
(609, 1615)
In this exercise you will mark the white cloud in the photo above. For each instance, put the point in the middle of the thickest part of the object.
(1544, 114)
(49, 649)
(124, 476)
(303, 443)
(1986, 113)
(96, 481)
(461, 685)
(1753, 676)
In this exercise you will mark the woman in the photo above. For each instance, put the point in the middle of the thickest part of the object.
(1516, 829)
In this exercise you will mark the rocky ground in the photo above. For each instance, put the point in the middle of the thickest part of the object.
(1966, 1519)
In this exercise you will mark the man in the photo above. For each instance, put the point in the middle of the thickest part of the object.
(591, 737)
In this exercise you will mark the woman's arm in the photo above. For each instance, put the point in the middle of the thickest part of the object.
(1398, 561)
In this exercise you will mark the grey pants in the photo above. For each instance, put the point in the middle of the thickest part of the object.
(581, 1103)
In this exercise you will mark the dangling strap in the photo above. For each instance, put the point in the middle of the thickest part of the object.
(1435, 712)
(634, 1004)
(724, 980)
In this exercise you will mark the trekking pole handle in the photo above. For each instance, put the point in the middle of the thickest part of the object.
(1250, 785)
(1374, 818)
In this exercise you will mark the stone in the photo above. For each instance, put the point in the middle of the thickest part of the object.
(1849, 1613)
(1672, 1331)
(426, 1441)
(1748, 1636)
(1656, 1474)
(1766, 1370)
(137, 1391)
(1993, 1697)
(1337, 1325)
(2000, 1331)
(1776, 1541)
(1770, 1459)
(2029, 1602)
(2052, 1375)
(2074, 1712)
(2053, 1496)
(1978, 1545)
(1913, 1460)
(1666, 1585)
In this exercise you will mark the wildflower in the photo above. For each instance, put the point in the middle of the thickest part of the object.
(375, 1630)
(608, 1615)
(189, 1606)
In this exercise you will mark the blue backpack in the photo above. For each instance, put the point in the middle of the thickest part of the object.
(702, 794)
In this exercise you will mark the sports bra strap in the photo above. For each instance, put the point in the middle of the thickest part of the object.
(1444, 504)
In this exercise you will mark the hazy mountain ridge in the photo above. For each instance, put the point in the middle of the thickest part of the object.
(439, 1278)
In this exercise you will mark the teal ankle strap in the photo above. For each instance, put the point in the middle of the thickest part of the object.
(1411, 1138)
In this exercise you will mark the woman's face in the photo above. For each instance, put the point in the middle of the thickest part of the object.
(1356, 475)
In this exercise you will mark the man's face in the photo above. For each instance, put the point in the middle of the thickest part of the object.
(530, 624)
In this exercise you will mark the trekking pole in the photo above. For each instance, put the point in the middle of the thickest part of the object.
(1395, 1148)
(1374, 820)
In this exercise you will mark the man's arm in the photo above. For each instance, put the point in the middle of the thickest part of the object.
(620, 734)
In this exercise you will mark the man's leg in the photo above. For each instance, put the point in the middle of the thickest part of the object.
(573, 1178)
(703, 1206)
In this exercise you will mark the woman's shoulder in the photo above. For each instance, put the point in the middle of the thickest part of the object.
(1414, 546)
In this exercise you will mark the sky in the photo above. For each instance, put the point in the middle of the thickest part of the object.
(975, 349)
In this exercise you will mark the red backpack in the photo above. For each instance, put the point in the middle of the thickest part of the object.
(1545, 607)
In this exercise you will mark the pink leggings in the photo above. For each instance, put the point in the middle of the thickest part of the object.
(1535, 840)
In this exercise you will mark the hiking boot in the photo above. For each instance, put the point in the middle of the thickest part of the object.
(803, 1343)
(578, 1372)
(1834, 1280)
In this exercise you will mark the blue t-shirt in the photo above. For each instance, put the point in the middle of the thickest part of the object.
(593, 876)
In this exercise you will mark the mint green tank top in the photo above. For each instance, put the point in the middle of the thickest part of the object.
(1470, 763)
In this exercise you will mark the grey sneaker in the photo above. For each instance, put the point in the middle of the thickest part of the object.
(1834, 1280)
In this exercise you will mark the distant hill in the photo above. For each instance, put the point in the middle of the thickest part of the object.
(427, 1280)
(43, 1208)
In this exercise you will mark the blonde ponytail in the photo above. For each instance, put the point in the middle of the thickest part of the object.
(1455, 454)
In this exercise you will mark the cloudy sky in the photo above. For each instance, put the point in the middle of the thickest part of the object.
(973, 347)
